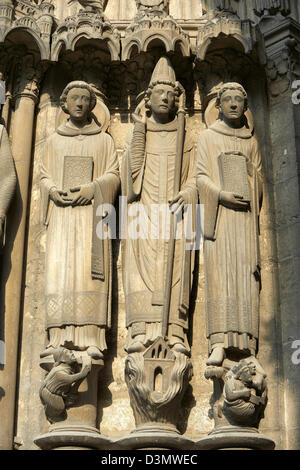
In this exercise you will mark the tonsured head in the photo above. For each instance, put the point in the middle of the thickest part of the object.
(232, 101)
(78, 100)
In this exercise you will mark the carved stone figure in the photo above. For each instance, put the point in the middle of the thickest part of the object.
(60, 387)
(229, 179)
(158, 173)
(245, 394)
(7, 180)
(240, 397)
(79, 174)
(222, 5)
(95, 5)
(152, 5)
(148, 178)
(271, 7)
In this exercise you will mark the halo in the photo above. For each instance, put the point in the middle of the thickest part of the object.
(211, 114)
(100, 113)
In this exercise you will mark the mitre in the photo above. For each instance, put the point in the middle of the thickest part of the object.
(163, 72)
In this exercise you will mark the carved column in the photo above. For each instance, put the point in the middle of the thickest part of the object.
(26, 95)
(282, 39)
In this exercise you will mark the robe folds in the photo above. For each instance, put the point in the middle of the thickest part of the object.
(148, 180)
(78, 264)
(231, 247)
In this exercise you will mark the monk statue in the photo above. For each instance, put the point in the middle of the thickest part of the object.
(7, 181)
(148, 175)
(229, 179)
(79, 175)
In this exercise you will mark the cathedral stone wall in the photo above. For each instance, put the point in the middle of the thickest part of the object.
(44, 46)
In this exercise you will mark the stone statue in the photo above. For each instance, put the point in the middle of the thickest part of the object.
(148, 177)
(229, 179)
(60, 387)
(152, 5)
(79, 174)
(240, 397)
(7, 180)
(245, 394)
(221, 5)
(95, 5)
(158, 175)
(271, 7)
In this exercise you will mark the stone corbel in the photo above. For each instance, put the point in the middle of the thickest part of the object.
(157, 381)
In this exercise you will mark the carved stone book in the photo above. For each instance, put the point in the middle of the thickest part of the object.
(234, 175)
(77, 171)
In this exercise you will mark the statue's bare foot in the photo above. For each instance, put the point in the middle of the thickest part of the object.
(94, 352)
(217, 357)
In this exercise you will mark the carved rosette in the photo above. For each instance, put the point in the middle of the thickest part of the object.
(149, 27)
(157, 381)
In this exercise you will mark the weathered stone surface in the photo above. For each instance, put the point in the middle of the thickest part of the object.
(31, 115)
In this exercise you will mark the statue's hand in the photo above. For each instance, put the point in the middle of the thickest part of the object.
(233, 201)
(83, 195)
(246, 393)
(139, 118)
(177, 204)
(59, 198)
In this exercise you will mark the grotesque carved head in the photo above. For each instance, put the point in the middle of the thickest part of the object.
(244, 371)
(78, 100)
(64, 356)
(232, 101)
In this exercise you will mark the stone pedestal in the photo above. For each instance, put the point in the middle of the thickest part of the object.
(154, 440)
(232, 438)
(79, 428)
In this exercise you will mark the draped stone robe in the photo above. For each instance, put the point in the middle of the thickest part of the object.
(231, 248)
(78, 293)
(149, 180)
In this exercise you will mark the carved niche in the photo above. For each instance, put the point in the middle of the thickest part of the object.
(153, 23)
